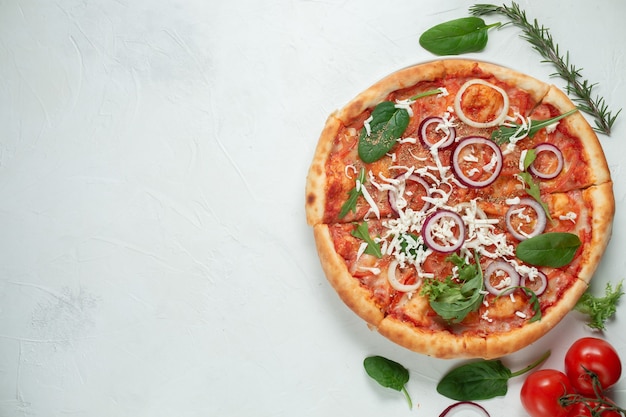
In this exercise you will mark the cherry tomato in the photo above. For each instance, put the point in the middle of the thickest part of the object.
(584, 410)
(541, 392)
(597, 356)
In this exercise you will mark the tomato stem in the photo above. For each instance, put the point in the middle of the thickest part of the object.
(532, 365)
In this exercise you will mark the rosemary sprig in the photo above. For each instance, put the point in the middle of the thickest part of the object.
(542, 42)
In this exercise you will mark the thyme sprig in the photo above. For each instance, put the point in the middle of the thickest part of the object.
(542, 42)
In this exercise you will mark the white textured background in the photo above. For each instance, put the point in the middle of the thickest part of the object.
(154, 256)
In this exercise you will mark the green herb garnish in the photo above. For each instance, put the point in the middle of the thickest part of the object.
(600, 309)
(541, 41)
(453, 299)
(362, 232)
(554, 249)
(388, 123)
(481, 380)
(467, 34)
(353, 195)
(389, 374)
(531, 187)
(504, 133)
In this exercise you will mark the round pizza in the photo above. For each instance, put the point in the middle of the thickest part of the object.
(460, 208)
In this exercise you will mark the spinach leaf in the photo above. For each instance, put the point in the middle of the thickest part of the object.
(353, 195)
(389, 374)
(362, 232)
(387, 125)
(481, 380)
(454, 300)
(467, 34)
(554, 249)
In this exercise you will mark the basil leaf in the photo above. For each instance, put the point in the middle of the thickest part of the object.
(362, 232)
(554, 249)
(388, 373)
(476, 381)
(467, 34)
(481, 380)
(387, 125)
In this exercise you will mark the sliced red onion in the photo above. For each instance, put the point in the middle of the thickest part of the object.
(444, 141)
(537, 287)
(393, 279)
(438, 222)
(463, 117)
(501, 287)
(481, 142)
(456, 408)
(392, 196)
(548, 147)
(540, 222)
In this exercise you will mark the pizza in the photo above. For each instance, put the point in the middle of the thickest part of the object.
(460, 208)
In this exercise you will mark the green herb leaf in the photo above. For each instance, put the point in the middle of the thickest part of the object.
(555, 249)
(600, 309)
(453, 300)
(362, 232)
(386, 127)
(467, 34)
(476, 381)
(480, 380)
(504, 133)
(389, 374)
(353, 196)
(532, 189)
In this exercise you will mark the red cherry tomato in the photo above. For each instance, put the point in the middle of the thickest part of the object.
(585, 410)
(541, 392)
(597, 356)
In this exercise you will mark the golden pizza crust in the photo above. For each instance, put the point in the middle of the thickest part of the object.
(316, 179)
(348, 288)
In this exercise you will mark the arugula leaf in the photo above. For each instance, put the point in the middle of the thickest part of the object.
(458, 36)
(532, 189)
(504, 133)
(481, 380)
(454, 300)
(555, 249)
(389, 374)
(362, 232)
(353, 196)
(387, 125)
(600, 309)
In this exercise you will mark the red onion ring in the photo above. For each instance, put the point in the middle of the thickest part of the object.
(423, 133)
(500, 266)
(431, 241)
(537, 289)
(540, 224)
(462, 406)
(393, 198)
(481, 141)
(463, 117)
(547, 147)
